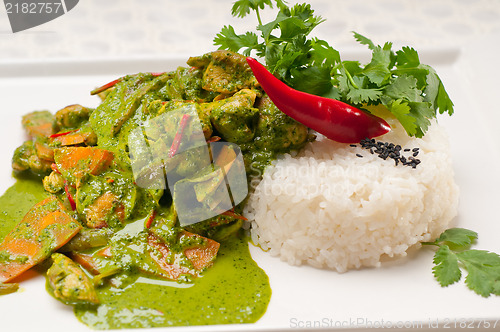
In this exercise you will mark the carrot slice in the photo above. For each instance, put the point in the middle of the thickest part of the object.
(72, 138)
(44, 229)
(86, 261)
(200, 256)
(78, 161)
(38, 124)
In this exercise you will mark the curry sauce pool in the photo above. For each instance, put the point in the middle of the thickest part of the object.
(17, 200)
(234, 291)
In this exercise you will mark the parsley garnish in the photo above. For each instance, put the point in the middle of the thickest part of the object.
(454, 255)
(411, 91)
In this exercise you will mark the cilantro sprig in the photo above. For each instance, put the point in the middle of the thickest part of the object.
(454, 255)
(410, 90)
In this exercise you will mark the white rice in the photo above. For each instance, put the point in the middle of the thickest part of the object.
(329, 208)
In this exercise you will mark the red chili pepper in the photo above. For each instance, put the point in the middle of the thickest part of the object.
(61, 134)
(336, 120)
(72, 202)
(149, 221)
(105, 86)
(213, 139)
(54, 167)
(178, 136)
(231, 213)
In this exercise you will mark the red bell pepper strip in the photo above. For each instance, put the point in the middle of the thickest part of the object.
(231, 213)
(61, 134)
(178, 136)
(150, 219)
(71, 200)
(336, 120)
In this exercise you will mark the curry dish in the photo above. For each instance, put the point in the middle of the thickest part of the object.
(98, 230)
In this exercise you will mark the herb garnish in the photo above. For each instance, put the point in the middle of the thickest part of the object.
(454, 254)
(410, 90)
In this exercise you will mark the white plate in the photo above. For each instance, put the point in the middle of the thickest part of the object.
(402, 293)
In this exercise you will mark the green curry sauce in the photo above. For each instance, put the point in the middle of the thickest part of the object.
(234, 290)
(18, 200)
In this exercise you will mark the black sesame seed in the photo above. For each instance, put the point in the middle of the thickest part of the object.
(353, 145)
(386, 150)
(358, 155)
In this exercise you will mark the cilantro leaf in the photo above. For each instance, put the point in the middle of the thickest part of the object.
(422, 112)
(443, 101)
(364, 96)
(357, 94)
(454, 254)
(404, 87)
(229, 40)
(457, 238)
(446, 268)
(407, 57)
(315, 80)
(402, 111)
(364, 41)
(323, 55)
(241, 8)
(484, 271)
(378, 69)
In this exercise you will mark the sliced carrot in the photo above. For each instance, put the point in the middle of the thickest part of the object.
(226, 158)
(38, 124)
(78, 161)
(200, 256)
(72, 139)
(86, 261)
(171, 271)
(105, 252)
(44, 229)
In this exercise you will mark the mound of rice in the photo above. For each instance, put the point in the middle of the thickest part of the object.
(329, 208)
